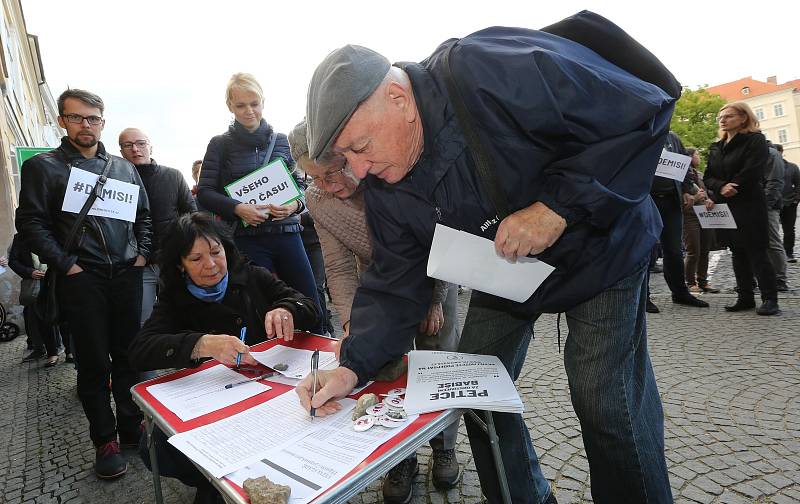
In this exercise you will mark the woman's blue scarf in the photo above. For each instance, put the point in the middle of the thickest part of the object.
(213, 294)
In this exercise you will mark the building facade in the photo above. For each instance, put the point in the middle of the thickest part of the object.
(777, 107)
(28, 118)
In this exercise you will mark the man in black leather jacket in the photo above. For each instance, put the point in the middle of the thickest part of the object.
(169, 197)
(99, 278)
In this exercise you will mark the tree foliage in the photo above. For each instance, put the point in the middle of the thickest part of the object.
(695, 119)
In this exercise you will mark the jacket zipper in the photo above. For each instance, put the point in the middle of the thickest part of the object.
(105, 249)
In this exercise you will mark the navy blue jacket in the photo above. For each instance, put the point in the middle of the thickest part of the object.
(228, 158)
(562, 126)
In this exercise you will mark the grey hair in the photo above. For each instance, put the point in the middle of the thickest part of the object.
(298, 141)
(86, 97)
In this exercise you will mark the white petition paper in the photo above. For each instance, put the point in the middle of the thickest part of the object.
(719, 217)
(465, 259)
(119, 199)
(673, 166)
(298, 360)
(203, 392)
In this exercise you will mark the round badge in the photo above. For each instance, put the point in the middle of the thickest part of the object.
(393, 402)
(396, 392)
(363, 423)
(390, 423)
(396, 414)
(377, 409)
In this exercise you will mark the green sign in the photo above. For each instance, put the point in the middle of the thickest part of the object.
(25, 153)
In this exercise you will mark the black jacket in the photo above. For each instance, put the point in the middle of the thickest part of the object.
(741, 161)
(233, 155)
(102, 244)
(169, 197)
(180, 319)
(791, 184)
(19, 257)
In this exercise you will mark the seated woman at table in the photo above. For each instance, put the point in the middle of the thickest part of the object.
(208, 293)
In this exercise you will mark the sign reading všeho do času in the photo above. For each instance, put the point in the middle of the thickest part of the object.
(272, 184)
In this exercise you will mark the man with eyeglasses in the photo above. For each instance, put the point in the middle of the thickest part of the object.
(99, 278)
(169, 197)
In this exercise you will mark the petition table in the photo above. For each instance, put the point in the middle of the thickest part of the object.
(373, 467)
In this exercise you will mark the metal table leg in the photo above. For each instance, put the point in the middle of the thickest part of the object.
(151, 447)
(494, 442)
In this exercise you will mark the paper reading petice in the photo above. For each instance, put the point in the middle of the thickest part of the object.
(673, 166)
(465, 259)
(119, 199)
(719, 217)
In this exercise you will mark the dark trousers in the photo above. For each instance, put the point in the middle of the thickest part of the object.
(698, 242)
(672, 216)
(788, 218)
(749, 260)
(284, 255)
(103, 315)
(174, 464)
(38, 333)
(314, 252)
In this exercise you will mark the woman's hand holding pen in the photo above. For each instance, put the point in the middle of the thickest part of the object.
(224, 348)
(279, 323)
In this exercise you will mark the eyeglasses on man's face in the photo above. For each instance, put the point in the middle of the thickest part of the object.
(78, 119)
(141, 144)
(330, 177)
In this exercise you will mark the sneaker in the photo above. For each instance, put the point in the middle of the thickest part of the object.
(35, 355)
(446, 471)
(741, 305)
(768, 307)
(398, 486)
(709, 288)
(689, 300)
(651, 307)
(109, 462)
(695, 289)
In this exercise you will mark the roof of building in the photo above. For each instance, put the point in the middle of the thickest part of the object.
(733, 91)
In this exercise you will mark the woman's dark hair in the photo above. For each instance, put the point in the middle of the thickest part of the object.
(180, 239)
(690, 151)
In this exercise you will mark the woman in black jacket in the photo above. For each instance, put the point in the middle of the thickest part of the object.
(272, 235)
(734, 176)
(209, 292)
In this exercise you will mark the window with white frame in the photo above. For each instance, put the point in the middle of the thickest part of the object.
(778, 109)
(759, 114)
(783, 136)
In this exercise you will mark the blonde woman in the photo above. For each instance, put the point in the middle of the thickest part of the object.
(735, 169)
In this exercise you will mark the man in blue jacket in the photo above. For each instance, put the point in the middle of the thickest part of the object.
(574, 141)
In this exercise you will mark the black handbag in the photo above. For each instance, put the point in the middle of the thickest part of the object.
(47, 302)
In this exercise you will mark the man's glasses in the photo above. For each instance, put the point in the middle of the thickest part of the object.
(129, 145)
(78, 119)
(330, 177)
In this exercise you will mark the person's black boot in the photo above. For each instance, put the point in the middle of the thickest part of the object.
(109, 462)
(768, 307)
(398, 486)
(689, 300)
(651, 307)
(35, 354)
(741, 305)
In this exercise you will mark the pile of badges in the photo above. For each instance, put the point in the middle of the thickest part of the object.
(389, 413)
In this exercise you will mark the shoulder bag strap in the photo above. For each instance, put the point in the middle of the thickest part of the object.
(96, 193)
(273, 138)
(476, 148)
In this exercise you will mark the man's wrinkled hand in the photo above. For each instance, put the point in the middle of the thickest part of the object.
(331, 385)
(528, 231)
(433, 323)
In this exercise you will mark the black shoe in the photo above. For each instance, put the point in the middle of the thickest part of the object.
(35, 355)
(783, 287)
(741, 305)
(689, 300)
(768, 307)
(651, 307)
(398, 486)
(791, 259)
(69, 358)
(109, 462)
(446, 471)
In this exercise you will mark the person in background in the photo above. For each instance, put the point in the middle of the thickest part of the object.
(734, 175)
(100, 277)
(773, 192)
(336, 201)
(196, 167)
(210, 292)
(169, 198)
(271, 238)
(791, 197)
(43, 338)
(696, 239)
(314, 252)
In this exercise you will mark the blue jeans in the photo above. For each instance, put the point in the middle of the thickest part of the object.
(613, 391)
(284, 255)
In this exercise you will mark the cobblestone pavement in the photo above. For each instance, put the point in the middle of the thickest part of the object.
(730, 385)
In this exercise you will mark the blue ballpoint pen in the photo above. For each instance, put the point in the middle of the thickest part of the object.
(242, 334)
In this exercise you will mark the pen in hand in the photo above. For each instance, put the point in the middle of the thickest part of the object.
(314, 368)
(242, 334)
(255, 378)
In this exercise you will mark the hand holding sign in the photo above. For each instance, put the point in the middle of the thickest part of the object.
(252, 215)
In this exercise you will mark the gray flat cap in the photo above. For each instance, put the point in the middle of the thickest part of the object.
(344, 79)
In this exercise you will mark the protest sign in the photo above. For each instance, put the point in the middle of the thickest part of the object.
(673, 166)
(119, 199)
(719, 217)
